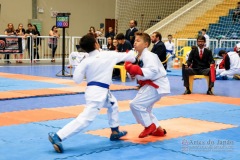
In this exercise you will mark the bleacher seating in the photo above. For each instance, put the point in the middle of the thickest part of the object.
(216, 27)
(225, 28)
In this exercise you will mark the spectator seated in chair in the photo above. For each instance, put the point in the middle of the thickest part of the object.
(199, 62)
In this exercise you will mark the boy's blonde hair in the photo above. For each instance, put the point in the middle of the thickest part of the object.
(145, 37)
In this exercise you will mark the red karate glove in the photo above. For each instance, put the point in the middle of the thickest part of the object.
(127, 65)
(135, 70)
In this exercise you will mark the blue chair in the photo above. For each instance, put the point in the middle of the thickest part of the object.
(229, 49)
(216, 51)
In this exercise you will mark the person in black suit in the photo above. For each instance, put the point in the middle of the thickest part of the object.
(130, 33)
(199, 62)
(159, 47)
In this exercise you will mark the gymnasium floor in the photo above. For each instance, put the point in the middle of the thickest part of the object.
(33, 102)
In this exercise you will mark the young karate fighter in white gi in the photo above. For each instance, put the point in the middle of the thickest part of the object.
(97, 68)
(151, 76)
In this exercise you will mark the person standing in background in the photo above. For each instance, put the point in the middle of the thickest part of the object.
(20, 32)
(130, 33)
(30, 35)
(10, 31)
(37, 42)
(53, 41)
(204, 33)
(170, 48)
(159, 48)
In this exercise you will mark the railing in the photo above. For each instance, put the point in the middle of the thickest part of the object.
(193, 42)
(45, 53)
(228, 43)
(38, 48)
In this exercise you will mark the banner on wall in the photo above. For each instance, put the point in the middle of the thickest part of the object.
(10, 45)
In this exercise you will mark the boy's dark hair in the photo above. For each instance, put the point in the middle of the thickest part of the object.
(204, 30)
(87, 43)
(221, 52)
(120, 36)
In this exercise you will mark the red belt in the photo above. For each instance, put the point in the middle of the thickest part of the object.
(148, 82)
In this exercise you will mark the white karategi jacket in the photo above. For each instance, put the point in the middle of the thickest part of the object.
(141, 105)
(76, 57)
(169, 47)
(234, 65)
(153, 70)
(99, 67)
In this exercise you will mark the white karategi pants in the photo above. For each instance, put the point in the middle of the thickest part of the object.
(170, 61)
(141, 105)
(229, 73)
(89, 113)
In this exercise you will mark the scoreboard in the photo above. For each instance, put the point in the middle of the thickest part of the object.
(62, 20)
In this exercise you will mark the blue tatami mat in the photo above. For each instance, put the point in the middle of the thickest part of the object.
(31, 139)
(215, 145)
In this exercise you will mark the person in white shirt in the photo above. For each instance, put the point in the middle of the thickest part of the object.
(231, 62)
(97, 68)
(154, 83)
(206, 37)
(170, 48)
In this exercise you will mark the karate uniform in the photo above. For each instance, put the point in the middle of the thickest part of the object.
(141, 105)
(76, 57)
(98, 69)
(170, 51)
(232, 65)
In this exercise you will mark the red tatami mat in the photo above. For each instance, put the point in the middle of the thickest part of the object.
(209, 98)
(176, 127)
(19, 117)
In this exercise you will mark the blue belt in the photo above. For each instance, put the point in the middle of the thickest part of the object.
(94, 83)
(170, 51)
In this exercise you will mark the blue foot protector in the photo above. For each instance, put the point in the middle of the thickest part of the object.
(117, 136)
(56, 141)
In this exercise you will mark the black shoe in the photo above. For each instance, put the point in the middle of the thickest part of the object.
(187, 91)
(209, 92)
